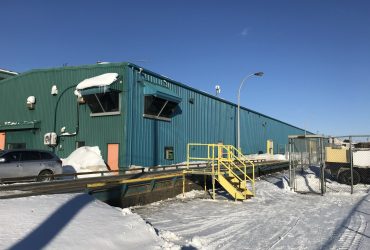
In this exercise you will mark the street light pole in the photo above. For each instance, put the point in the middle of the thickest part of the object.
(240, 87)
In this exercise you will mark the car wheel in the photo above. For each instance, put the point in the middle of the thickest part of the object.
(345, 177)
(45, 175)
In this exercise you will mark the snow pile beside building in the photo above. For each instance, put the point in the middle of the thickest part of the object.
(266, 157)
(72, 221)
(85, 159)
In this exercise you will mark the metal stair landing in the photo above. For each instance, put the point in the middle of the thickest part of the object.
(228, 166)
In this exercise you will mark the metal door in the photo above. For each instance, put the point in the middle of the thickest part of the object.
(2, 140)
(113, 156)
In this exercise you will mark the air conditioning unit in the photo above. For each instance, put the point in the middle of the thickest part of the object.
(50, 139)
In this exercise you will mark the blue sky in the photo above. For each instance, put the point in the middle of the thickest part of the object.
(315, 54)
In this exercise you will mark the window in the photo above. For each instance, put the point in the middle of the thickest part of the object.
(16, 145)
(30, 156)
(80, 144)
(158, 108)
(103, 103)
(12, 157)
(168, 153)
(46, 156)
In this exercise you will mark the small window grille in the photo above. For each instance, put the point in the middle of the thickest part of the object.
(168, 153)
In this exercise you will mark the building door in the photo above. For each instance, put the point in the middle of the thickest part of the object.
(113, 156)
(2, 140)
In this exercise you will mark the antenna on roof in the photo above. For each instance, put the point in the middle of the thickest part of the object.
(100, 62)
(218, 90)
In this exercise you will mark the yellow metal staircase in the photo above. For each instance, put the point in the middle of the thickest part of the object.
(228, 166)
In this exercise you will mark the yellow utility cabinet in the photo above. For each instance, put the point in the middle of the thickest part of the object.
(339, 155)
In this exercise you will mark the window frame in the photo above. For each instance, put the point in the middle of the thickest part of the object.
(107, 113)
(158, 117)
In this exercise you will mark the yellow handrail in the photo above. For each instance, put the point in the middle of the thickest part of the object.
(225, 156)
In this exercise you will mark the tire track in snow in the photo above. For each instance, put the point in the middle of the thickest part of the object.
(352, 235)
(285, 234)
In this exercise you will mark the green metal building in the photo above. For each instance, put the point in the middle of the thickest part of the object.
(142, 118)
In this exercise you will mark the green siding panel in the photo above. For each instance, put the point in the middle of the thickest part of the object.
(204, 119)
(97, 130)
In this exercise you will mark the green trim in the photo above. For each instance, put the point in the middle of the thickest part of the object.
(161, 92)
(6, 126)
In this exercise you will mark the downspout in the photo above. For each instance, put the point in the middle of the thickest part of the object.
(56, 110)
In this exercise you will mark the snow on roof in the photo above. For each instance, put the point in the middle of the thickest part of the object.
(98, 81)
(8, 72)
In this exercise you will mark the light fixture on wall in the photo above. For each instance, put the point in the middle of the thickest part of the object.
(54, 90)
(31, 101)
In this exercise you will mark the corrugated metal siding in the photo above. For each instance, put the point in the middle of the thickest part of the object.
(93, 130)
(142, 140)
(208, 120)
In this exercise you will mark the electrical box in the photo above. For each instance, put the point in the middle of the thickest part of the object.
(50, 139)
(337, 154)
(270, 147)
(168, 153)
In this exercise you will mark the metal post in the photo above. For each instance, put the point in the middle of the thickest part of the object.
(213, 181)
(351, 162)
(309, 153)
(302, 165)
(183, 184)
(187, 155)
(238, 115)
(205, 183)
(322, 165)
(290, 163)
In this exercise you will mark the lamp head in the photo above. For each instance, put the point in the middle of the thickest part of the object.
(258, 74)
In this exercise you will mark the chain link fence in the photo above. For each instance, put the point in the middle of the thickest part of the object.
(319, 164)
(306, 164)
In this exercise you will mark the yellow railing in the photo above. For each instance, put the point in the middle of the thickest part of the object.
(225, 156)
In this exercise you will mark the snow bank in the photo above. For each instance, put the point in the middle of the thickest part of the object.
(266, 157)
(84, 159)
(72, 221)
(191, 195)
(308, 180)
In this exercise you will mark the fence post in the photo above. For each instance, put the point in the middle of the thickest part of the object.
(322, 165)
(351, 162)
(309, 152)
(290, 163)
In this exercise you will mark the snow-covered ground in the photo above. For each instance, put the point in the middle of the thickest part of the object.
(276, 218)
(72, 221)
